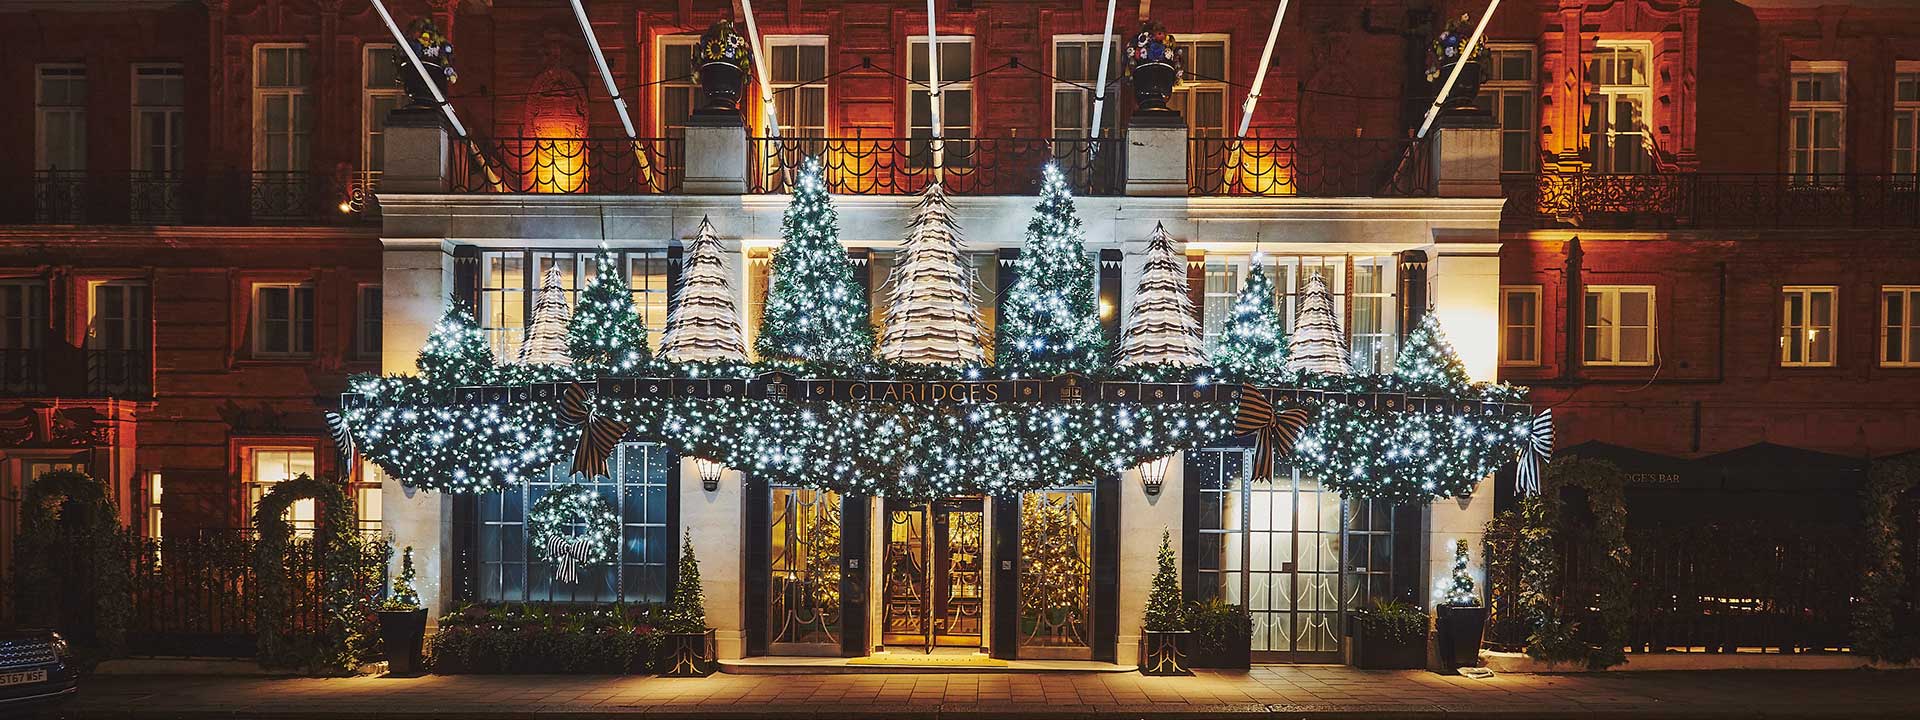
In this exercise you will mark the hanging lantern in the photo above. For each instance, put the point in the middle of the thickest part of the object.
(1153, 474)
(709, 473)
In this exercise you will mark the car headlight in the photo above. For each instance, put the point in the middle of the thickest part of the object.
(61, 651)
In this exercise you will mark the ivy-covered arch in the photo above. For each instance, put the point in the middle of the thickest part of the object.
(349, 568)
(1553, 636)
(70, 521)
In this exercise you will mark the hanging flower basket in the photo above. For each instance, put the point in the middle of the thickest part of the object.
(721, 60)
(1445, 54)
(1155, 61)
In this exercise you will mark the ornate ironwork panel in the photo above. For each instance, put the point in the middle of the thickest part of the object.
(1056, 574)
(604, 166)
(969, 166)
(1307, 167)
(1704, 200)
(804, 592)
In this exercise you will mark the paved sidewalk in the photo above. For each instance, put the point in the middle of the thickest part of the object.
(1291, 691)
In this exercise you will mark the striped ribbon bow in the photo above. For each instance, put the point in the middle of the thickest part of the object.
(1273, 432)
(598, 435)
(567, 555)
(1535, 450)
(342, 439)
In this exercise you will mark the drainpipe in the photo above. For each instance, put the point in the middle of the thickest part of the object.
(1575, 294)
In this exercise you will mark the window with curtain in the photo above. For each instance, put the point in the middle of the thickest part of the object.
(794, 63)
(1806, 326)
(1619, 325)
(1364, 298)
(380, 93)
(282, 116)
(60, 112)
(1906, 118)
(267, 466)
(1520, 325)
(677, 94)
(956, 101)
(1509, 91)
(159, 119)
(1899, 330)
(283, 319)
(1817, 119)
(1201, 96)
(1076, 71)
(1620, 95)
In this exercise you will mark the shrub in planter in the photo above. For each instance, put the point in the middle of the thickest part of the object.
(539, 639)
(1222, 634)
(1460, 619)
(1165, 642)
(403, 623)
(1389, 636)
(688, 648)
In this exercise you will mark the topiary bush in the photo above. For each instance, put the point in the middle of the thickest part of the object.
(541, 639)
(345, 570)
(73, 564)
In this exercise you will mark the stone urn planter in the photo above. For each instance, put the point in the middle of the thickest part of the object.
(1154, 62)
(1457, 633)
(1465, 94)
(721, 60)
(688, 654)
(1165, 652)
(1153, 85)
(721, 82)
(402, 633)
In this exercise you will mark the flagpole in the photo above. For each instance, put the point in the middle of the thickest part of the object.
(1260, 74)
(1100, 87)
(1466, 56)
(439, 99)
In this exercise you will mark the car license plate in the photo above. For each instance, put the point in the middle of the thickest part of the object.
(22, 678)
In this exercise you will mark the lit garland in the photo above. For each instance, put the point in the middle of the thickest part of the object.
(572, 504)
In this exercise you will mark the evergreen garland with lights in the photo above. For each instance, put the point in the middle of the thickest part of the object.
(605, 335)
(1050, 321)
(456, 351)
(1253, 343)
(815, 310)
(568, 506)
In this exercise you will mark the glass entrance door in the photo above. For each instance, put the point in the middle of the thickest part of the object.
(933, 582)
(804, 588)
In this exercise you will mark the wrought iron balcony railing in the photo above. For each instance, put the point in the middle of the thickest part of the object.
(1711, 200)
(1307, 167)
(602, 166)
(60, 372)
(968, 166)
(120, 373)
(63, 197)
(22, 372)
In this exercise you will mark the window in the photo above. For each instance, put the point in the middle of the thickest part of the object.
(1619, 325)
(366, 496)
(1899, 330)
(1370, 333)
(1806, 326)
(1509, 91)
(1076, 68)
(1201, 96)
(23, 323)
(759, 279)
(154, 513)
(60, 112)
(956, 100)
(503, 293)
(1906, 118)
(792, 62)
(507, 289)
(268, 465)
(678, 95)
(118, 337)
(282, 119)
(1818, 115)
(1520, 325)
(647, 277)
(1620, 94)
(636, 488)
(1363, 299)
(159, 119)
(380, 93)
(367, 326)
(283, 319)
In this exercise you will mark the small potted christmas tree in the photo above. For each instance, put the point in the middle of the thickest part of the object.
(1460, 617)
(403, 622)
(689, 645)
(1164, 644)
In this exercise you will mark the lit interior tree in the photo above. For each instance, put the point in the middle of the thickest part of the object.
(815, 311)
(1460, 590)
(1163, 599)
(1317, 344)
(1253, 344)
(605, 334)
(1053, 577)
(1427, 359)
(546, 338)
(1161, 329)
(704, 326)
(933, 316)
(456, 351)
(1050, 321)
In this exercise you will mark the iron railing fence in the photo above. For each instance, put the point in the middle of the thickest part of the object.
(198, 595)
(61, 197)
(1307, 167)
(968, 166)
(120, 373)
(600, 166)
(1711, 200)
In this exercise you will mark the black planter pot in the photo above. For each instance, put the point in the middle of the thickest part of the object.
(1235, 654)
(688, 655)
(401, 634)
(1152, 85)
(1457, 631)
(1165, 653)
(1465, 95)
(720, 81)
(1372, 652)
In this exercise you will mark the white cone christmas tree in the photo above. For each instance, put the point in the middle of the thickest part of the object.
(546, 339)
(932, 314)
(1160, 326)
(1428, 359)
(815, 311)
(1317, 344)
(704, 326)
(1050, 320)
(1253, 344)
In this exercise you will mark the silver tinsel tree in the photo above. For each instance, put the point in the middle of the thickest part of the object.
(703, 326)
(546, 339)
(933, 316)
(1317, 343)
(1160, 326)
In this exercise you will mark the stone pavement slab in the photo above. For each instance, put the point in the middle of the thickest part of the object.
(1281, 691)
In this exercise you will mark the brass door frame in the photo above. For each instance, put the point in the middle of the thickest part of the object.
(936, 605)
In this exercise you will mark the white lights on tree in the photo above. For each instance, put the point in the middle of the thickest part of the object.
(605, 334)
(933, 316)
(704, 326)
(1253, 343)
(1050, 322)
(1161, 329)
(546, 338)
(815, 311)
(1427, 358)
(1318, 346)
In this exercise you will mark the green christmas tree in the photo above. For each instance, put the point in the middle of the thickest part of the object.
(456, 351)
(687, 610)
(815, 311)
(1253, 345)
(1163, 601)
(1428, 359)
(403, 597)
(605, 334)
(1050, 320)
(1460, 590)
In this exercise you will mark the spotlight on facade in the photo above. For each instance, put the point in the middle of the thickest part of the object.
(1153, 474)
(709, 473)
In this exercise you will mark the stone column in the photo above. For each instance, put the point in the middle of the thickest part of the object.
(716, 155)
(715, 521)
(1142, 518)
(1466, 157)
(1465, 288)
(1156, 159)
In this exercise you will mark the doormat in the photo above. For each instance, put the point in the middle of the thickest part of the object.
(919, 660)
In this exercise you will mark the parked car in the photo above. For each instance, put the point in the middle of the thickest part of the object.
(35, 669)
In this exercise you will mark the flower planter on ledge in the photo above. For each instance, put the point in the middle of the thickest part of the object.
(401, 634)
(1465, 95)
(1165, 653)
(720, 82)
(1152, 86)
(688, 655)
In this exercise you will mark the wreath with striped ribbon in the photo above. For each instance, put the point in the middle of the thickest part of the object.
(550, 530)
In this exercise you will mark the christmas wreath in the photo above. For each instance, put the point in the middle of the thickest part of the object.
(573, 504)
